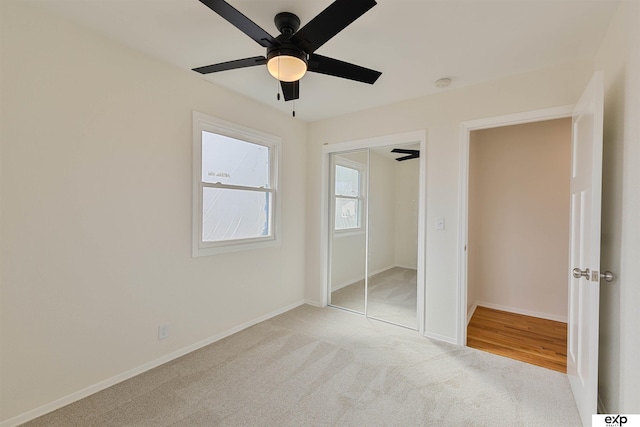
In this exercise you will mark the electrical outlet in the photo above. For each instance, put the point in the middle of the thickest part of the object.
(163, 331)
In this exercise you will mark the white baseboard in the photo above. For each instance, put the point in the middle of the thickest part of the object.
(313, 303)
(81, 394)
(470, 312)
(408, 267)
(438, 337)
(357, 279)
(382, 270)
(531, 313)
(347, 283)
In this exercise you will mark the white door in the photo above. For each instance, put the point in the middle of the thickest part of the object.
(584, 290)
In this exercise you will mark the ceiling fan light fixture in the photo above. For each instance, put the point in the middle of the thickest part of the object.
(287, 65)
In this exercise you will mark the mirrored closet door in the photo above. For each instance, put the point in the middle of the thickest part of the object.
(348, 230)
(374, 232)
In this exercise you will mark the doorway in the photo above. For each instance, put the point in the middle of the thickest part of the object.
(375, 204)
(518, 241)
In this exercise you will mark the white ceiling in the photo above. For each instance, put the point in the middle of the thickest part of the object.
(412, 42)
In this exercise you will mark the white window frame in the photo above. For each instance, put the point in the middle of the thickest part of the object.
(362, 170)
(204, 122)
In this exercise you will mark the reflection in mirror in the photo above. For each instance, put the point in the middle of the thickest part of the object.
(393, 234)
(347, 230)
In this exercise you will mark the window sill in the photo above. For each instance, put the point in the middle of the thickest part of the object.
(348, 233)
(200, 251)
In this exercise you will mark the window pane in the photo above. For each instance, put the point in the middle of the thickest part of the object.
(347, 181)
(347, 213)
(234, 162)
(234, 214)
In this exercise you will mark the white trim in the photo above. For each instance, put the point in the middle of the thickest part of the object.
(408, 267)
(422, 235)
(601, 408)
(463, 192)
(366, 236)
(347, 282)
(438, 337)
(470, 312)
(313, 303)
(326, 202)
(373, 273)
(522, 311)
(204, 122)
(88, 391)
(520, 118)
(348, 232)
(382, 270)
(382, 141)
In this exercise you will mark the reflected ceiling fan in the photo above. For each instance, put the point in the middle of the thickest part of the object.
(411, 154)
(291, 54)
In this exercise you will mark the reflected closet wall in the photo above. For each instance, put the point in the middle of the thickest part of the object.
(373, 232)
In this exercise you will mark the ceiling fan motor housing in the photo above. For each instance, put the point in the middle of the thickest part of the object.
(287, 23)
(285, 50)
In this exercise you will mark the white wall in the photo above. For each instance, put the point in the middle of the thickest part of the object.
(96, 212)
(381, 213)
(441, 115)
(348, 253)
(518, 244)
(619, 57)
(406, 191)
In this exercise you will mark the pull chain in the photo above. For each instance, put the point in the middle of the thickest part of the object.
(295, 96)
(278, 97)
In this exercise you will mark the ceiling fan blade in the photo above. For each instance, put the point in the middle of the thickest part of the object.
(232, 65)
(290, 90)
(241, 22)
(334, 67)
(330, 22)
(405, 151)
(410, 156)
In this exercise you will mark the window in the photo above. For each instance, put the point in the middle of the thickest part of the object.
(235, 187)
(348, 195)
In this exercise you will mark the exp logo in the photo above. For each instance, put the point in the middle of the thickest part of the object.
(617, 420)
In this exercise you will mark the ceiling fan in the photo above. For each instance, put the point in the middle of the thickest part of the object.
(291, 54)
(411, 154)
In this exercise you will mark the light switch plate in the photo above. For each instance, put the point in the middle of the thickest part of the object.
(439, 223)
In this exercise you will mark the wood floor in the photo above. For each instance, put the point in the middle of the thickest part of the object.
(529, 339)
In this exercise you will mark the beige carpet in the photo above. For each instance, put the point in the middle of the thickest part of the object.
(392, 296)
(327, 367)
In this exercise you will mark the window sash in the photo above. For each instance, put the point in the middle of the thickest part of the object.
(359, 202)
(360, 169)
(264, 219)
(205, 123)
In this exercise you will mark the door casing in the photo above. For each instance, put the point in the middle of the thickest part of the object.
(463, 223)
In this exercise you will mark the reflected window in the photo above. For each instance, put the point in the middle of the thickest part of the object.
(349, 184)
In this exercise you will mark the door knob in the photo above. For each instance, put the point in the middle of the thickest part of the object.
(607, 276)
(577, 273)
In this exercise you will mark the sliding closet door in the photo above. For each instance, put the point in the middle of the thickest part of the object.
(393, 235)
(347, 230)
